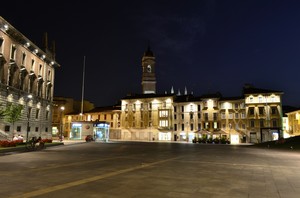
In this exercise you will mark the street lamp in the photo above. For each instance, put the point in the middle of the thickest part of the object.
(28, 115)
(62, 108)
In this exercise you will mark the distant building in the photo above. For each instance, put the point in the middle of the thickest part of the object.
(254, 116)
(65, 112)
(26, 78)
(293, 127)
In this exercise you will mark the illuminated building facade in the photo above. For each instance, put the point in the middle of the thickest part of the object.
(253, 117)
(27, 79)
(65, 112)
(293, 125)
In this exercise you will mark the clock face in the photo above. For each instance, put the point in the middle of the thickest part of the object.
(149, 68)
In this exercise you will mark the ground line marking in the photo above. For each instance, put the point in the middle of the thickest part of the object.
(87, 180)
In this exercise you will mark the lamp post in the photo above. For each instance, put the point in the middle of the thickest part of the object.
(62, 108)
(28, 116)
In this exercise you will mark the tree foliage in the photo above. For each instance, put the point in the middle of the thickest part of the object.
(12, 113)
(2, 113)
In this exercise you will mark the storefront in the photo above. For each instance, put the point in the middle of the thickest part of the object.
(99, 130)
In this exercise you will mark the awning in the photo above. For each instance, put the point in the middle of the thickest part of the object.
(203, 132)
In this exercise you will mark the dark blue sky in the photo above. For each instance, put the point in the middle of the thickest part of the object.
(205, 45)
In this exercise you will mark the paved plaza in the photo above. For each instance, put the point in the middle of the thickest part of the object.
(151, 169)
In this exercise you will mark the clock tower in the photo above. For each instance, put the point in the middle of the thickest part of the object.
(148, 77)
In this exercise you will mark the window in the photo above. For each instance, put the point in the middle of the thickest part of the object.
(13, 52)
(242, 105)
(142, 106)
(272, 99)
(149, 68)
(164, 104)
(182, 108)
(46, 129)
(1, 44)
(199, 108)
(182, 116)
(175, 127)
(192, 127)
(23, 59)
(199, 126)
(163, 123)
(37, 114)
(191, 116)
(32, 65)
(251, 123)
(223, 116)
(207, 126)
(216, 125)
(175, 116)
(40, 69)
(236, 115)
(175, 109)
(199, 115)
(274, 123)
(251, 99)
(243, 115)
(251, 110)
(7, 128)
(206, 116)
(104, 116)
(215, 115)
(18, 128)
(163, 114)
(236, 105)
(230, 115)
(49, 75)
(261, 110)
(182, 127)
(273, 110)
(261, 123)
(243, 126)
(191, 107)
(36, 129)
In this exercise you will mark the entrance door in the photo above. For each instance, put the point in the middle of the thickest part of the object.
(253, 137)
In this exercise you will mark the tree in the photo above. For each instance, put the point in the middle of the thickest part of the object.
(12, 113)
(2, 113)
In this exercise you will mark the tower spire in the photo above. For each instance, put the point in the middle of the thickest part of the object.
(148, 75)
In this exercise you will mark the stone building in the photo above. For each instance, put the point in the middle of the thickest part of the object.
(26, 78)
(254, 116)
(293, 125)
(66, 111)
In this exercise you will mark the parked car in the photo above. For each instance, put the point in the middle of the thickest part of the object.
(89, 138)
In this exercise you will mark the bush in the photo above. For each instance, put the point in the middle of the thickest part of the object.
(5, 143)
(47, 140)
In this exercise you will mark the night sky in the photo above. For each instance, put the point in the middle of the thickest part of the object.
(203, 45)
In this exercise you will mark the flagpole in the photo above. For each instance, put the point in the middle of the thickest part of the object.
(82, 90)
